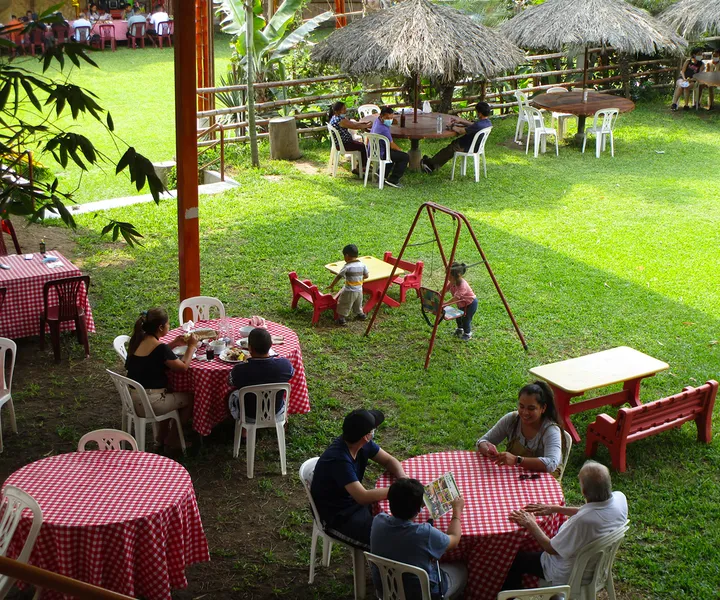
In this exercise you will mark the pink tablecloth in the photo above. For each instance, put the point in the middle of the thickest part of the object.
(24, 281)
(209, 380)
(489, 540)
(122, 520)
(121, 28)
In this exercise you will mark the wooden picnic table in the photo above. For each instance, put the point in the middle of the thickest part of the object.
(379, 272)
(572, 102)
(574, 377)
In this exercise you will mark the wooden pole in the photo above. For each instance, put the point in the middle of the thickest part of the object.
(249, 65)
(186, 153)
(340, 21)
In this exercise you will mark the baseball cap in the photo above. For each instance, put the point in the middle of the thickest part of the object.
(360, 422)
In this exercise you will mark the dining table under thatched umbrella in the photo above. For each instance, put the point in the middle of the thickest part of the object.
(693, 17)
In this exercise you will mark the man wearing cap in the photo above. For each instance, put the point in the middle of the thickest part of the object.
(342, 501)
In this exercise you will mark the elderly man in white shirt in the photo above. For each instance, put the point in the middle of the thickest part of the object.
(605, 511)
(81, 21)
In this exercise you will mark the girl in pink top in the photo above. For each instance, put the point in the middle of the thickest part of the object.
(465, 299)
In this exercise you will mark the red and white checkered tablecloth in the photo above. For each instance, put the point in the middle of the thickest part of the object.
(24, 281)
(123, 520)
(489, 540)
(209, 380)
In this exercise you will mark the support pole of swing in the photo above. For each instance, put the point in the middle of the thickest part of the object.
(249, 67)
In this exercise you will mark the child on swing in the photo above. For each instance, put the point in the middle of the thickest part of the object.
(464, 297)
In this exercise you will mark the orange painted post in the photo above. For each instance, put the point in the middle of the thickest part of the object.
(186, 152)
(340, 10)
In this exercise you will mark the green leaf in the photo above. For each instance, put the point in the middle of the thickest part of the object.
(282, 18)
(126, 160)
(299, 35)
(110, 124)
(31, 94)
(5, 93)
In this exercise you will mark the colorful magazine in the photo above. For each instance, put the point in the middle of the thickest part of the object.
(439, 494)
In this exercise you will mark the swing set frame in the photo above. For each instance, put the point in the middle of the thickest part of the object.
(430, 208)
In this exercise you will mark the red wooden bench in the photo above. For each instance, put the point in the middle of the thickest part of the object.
(636, 423)
(411, 281)
(305, 289)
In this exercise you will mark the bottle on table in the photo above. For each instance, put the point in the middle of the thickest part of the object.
(42, 246)
(426, 107)
(439, 124)
(402, 119)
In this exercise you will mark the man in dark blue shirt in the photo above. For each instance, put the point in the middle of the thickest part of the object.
(260, 368)
(466, 130)
(344, 505)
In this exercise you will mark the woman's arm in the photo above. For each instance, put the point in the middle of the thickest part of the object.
(183, 364)
(552, 453)
(685, 66)
(499, 432)
(350, 124)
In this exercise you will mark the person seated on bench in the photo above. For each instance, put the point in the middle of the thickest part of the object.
(604, 511)
(534, 439)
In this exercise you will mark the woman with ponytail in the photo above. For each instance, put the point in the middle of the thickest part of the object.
(147, 363)
(534, 438)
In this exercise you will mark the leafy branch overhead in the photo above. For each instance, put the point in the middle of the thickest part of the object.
(30, 108)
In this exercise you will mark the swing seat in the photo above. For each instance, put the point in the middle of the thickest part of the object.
(430, 302)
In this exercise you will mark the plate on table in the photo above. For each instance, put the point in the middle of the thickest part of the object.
(232, 355)
(179, 351)
(245, 331)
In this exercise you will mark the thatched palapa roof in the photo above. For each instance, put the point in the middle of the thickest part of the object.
(694, 17)
(418, 37)
(557, 24)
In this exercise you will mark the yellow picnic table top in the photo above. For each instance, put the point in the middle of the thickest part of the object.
(378, 269)
(617, 365)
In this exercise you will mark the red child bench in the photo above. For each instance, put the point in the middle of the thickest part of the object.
(638, 422)
(305, 289)
(413, 279)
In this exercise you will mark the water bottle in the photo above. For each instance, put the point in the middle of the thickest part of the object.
(439, 124)
(402, 119)
(426, 107)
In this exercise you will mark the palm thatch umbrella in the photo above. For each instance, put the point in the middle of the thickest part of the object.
(557, 24)
(693, 17)
(417, 38)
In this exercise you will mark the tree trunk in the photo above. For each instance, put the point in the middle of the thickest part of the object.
(284, 143)
(446, 94)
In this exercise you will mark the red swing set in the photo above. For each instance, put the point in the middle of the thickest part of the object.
(432, 301)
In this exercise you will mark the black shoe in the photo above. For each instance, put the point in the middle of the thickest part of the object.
(426, 167)
(394, 184)
(341, 321)
(673, 107)
(360, 317)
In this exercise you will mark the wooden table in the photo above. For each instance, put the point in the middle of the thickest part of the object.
(375, 283)
(711, 79)
(572, 102)
(574, 377)
(424, 129)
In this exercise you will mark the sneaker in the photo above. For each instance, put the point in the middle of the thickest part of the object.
(466, 337)
(673, 107)
(459, 331)
(426, 167)
(341, 321)
(394, 184)
(360, 317)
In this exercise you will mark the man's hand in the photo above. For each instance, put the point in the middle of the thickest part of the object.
(541, 510)
(522, 518)
(505, 458)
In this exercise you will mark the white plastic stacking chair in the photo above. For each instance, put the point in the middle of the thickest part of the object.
(201, 307)
(538, 131)
(548, 593)
(522, 101)
(307, 469)
(107, 439)
(602, 128)
(391, 575)
(6, 378)
(120, 344)
(476, 150)
(368, 109)
(374, 160)
(265, 418)
(566, 447)
(14, 502)
(133, 420)
(560, 117)
(337, 150)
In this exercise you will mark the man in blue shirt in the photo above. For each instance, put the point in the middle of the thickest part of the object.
(466, 130)
(398, 538)
(400, 159)
(344, 505)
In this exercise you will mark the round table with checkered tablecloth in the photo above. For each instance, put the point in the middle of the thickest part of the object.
(209, 380)
(123, 520)
(489, 540)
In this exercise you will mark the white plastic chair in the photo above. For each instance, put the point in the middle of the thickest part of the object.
(307, 469)
(14, 502)
(560, 117)
(602, 128)
(337, 149)
(6, 346)
(265, 418)
(368, 109)
(537, 594)
(201, 306)
(124, 385)
(120, 344)
(391, 575)
(522, 101)
(107, 439)
(476, 150)
(566, 447)
(374, 160)
(538, 131)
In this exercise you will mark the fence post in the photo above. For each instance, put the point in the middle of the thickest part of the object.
(222, 153)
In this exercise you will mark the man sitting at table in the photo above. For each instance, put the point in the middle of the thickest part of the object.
(81, 22)
(399, 538)
(136, 17)
(604, 511)
(260, 368)
(399, 158)
(344, 505)
(466, 130)
(158, 16)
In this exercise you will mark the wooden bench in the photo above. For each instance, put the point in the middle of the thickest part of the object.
(305, 289)
(413, 279)
(636, 423)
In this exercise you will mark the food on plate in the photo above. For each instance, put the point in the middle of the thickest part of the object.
(205, 333)
(234, 354)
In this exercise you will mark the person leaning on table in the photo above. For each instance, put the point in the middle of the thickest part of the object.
(604, 511)
(534, 439)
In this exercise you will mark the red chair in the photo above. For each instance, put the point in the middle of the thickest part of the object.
(107, 34)
(7, 227)
(82, 35)
(135, 33)
(36, 38)
(60, 32)
(165, 31)
(306, 289)
(67, 291)
(411, 281)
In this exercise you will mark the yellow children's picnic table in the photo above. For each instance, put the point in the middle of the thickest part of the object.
(379, 272)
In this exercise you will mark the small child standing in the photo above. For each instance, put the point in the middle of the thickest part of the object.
(465, 299)
(350, 298)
